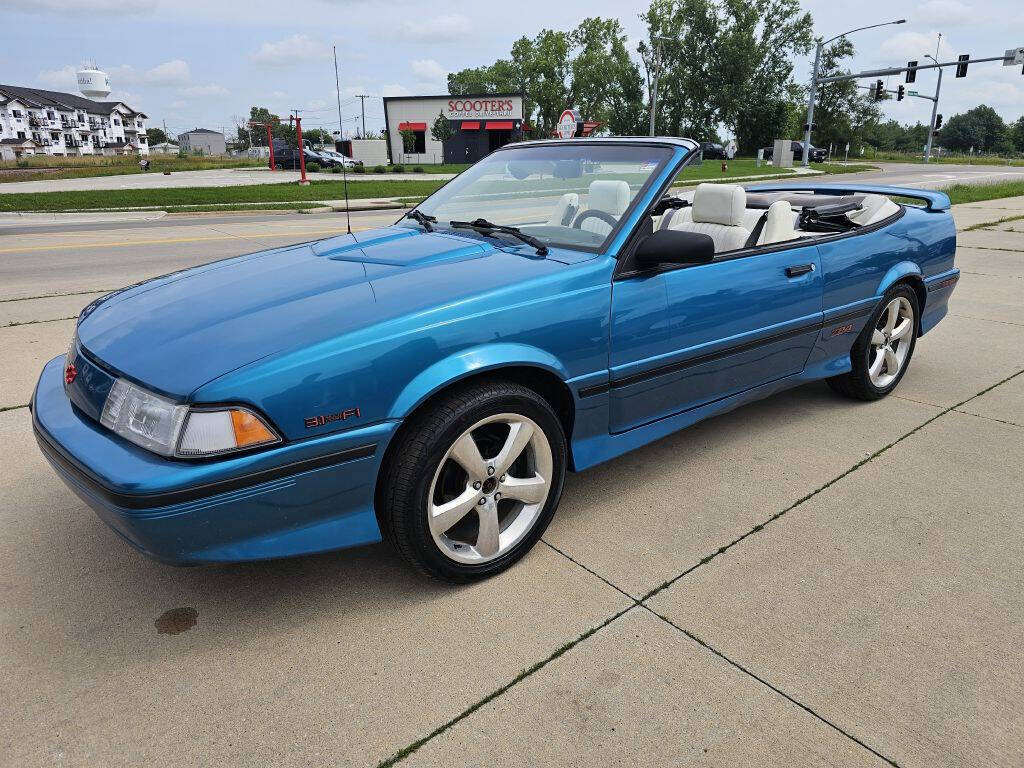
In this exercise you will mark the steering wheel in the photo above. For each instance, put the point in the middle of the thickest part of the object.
(607, 218)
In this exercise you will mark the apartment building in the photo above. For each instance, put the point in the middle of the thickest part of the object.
(36, 121)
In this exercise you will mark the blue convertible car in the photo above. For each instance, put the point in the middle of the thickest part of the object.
(556, 305)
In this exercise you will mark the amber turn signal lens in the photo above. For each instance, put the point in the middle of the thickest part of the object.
(249, 430)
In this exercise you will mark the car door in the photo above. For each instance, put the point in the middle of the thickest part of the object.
(685, 337)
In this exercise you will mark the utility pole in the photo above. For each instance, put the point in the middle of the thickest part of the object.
(362, 108)
(303, 181)
(814, 82)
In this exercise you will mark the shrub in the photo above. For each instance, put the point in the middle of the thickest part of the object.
(359, 169)
(312, 167)
(419, 169)
(335, 169)
(379, 169)
(398, 169)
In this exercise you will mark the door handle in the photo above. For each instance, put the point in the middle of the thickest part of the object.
(800, 269)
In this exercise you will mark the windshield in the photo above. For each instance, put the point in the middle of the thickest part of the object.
(572, 196)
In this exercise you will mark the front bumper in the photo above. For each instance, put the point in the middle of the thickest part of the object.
(300, 497)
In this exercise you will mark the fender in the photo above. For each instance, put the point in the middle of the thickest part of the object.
(469, 361)
(898, 272)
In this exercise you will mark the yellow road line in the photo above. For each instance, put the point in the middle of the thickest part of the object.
(168, 240)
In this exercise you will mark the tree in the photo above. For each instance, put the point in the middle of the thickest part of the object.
(723, 61)
(980, 128)
(155, 136)
(408, 140)
(1015, 134)
(262, 115)
(605, 83)
(441, 130)
(759, 124)
(588, 67)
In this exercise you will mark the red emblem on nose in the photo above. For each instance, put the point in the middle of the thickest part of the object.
(70, 373)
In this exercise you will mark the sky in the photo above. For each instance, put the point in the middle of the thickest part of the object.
(203, 63)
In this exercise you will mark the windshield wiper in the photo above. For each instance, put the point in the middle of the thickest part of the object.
(485, 226)
(423, 219)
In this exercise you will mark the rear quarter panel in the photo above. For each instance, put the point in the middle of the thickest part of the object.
(917, 246)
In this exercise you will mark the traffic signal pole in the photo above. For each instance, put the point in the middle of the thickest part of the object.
(810, 105)
(931, 125)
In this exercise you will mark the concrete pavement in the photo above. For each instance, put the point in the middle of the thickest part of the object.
(804, 581)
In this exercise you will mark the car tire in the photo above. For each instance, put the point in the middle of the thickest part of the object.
(424, 485)
(870, 377)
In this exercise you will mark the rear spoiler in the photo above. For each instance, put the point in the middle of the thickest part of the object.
(933, 200)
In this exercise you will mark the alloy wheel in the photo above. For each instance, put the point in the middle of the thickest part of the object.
(890, 342)
(490, 488)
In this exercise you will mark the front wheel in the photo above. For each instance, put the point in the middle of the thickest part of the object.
(473, 481)
(881, 354)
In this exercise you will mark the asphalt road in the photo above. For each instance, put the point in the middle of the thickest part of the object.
(803, 581)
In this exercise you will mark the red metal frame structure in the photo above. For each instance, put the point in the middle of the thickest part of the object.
(270, 140)
(302, 150)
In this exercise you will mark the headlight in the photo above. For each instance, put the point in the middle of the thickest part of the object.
(164, 427)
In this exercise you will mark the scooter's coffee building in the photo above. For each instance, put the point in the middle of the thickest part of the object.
(480, 124)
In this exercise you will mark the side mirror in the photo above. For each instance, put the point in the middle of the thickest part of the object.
(670, 246)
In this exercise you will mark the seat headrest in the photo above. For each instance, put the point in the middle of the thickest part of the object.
(719, 204)
(610, 196)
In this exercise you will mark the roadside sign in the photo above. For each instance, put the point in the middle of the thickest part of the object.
(912, 93)
(566, 127)
(1013, 57)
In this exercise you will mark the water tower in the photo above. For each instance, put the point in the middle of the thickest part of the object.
(93, 82)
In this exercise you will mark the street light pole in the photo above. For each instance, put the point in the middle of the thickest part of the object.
(814, 80)
(656, 42)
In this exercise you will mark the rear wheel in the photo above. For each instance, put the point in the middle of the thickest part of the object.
(882, 352)
(474, 481)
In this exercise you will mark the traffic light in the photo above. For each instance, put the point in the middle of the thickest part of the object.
(899, 93)
(879, 90)
(911, 71)
(938, 122)
(961, 68)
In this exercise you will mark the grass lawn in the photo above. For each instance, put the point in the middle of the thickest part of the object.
(252, 193)
(899, 157)
(976, 193)
(53, 167)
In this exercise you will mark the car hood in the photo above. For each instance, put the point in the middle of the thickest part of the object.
(177, 332)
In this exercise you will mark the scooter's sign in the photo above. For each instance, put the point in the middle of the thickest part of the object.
(463, 109)
(566, 127)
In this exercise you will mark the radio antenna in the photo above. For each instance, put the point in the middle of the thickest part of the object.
(341, 135)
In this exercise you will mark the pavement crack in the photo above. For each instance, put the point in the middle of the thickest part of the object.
(36, 322)
(592, 572)
(987, 319)
(57, 295)
(12, 407)
(991, 418)
(706, 646)
(760, 526)
(401, 754)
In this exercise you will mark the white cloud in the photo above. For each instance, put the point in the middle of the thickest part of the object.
(297, 49)
(945, 12)
(910, 46)
(279, 95)
(174, 72)
(204, 91)
(395, 89)
(437, 29)
(63, 79)
(428, 70)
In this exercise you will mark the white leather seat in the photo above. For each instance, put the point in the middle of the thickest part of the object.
(611, 197)
(566, 210)
(718, 210)
(874, 208)
(779, 224)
